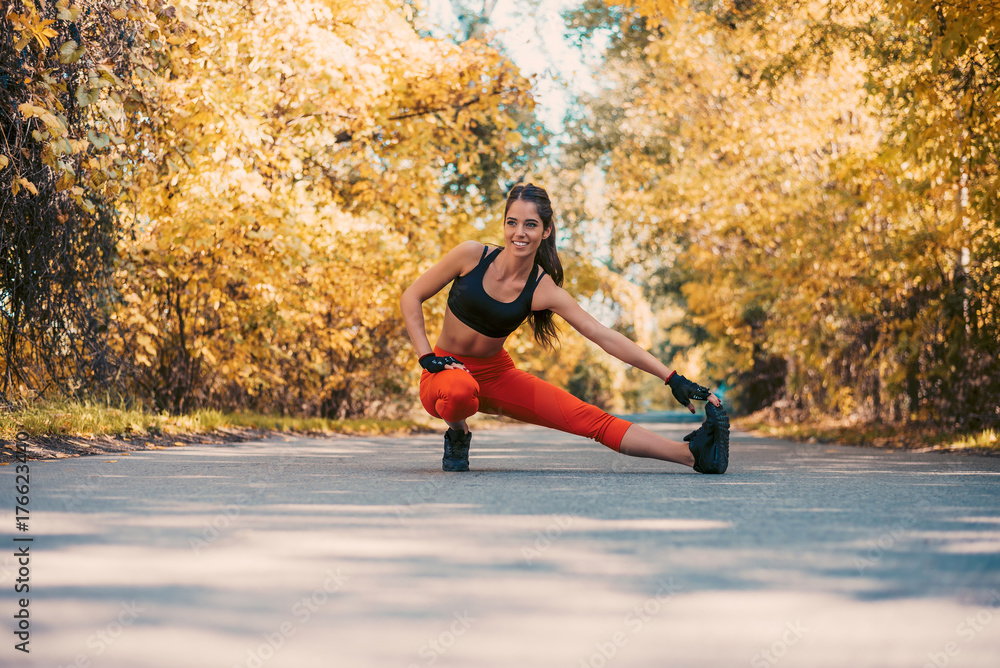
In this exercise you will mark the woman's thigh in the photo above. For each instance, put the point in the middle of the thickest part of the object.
(522, 396)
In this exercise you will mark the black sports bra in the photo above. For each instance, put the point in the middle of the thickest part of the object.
(470, 303)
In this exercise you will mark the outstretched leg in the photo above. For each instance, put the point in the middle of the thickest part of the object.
(522, 396)
(707, 448)
(527, 398)
(639, 442)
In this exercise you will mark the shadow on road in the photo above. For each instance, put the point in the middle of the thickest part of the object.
(216, 540)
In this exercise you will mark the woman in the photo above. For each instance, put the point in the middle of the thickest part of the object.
(493, 291)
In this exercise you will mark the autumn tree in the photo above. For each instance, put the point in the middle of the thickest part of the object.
(815, 184)
(216, 204)
(316, 157)
(73, 112)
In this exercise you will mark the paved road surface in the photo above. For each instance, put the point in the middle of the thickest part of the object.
(357, 552)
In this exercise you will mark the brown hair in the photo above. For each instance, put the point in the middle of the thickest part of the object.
(546, 256)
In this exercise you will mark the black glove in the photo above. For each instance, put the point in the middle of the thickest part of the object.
(433, 363)
(684, 390)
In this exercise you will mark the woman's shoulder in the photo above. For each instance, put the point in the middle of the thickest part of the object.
(470, 247)
(466, 255)
(549, 296)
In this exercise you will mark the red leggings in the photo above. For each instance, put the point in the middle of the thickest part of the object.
(496, 387)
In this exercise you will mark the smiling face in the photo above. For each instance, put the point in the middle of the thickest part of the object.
(523, 228)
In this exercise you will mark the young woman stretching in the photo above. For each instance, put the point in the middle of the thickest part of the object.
(492, 292)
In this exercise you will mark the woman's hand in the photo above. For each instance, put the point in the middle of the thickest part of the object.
(685, 390)
(435, 363)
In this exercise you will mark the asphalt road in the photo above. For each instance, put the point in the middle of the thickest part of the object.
(553, 551)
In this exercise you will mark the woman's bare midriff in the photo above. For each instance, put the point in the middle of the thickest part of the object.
(459, 339)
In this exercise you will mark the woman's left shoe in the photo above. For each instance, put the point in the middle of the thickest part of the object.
(456, 450)
(710, 443)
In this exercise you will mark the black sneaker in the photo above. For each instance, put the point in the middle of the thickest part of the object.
(710, 443)
(456, 450)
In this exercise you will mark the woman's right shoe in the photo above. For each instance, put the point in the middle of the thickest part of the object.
(710, 443)
(456, 450)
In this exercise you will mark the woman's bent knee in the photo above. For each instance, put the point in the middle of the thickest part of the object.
(456, 410)
(451, 395)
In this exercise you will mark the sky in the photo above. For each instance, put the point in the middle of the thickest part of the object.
(534, 39)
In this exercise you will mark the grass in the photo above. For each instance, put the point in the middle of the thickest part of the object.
(986, 440)
(85, 418)
(90, 419)
(912, 436)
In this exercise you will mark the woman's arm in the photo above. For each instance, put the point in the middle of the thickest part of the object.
(550, 296)
(460, 260)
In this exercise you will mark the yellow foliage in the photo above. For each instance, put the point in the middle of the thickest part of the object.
(823, 179)
(296, 186)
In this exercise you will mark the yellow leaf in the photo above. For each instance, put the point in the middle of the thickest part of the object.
(28, 110)
(67, 49)
(70, 52)
(3, 161)
(66, 181)
(43, 34)
(84, 95)
(28, 185)
(119, 14)
(67, 13)
(98, 139)
(146, 342)
(54, 125)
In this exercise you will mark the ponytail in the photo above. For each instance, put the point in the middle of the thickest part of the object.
(546, 332)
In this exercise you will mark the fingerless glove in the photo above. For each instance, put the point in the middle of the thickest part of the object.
(684, 390)
(433, 363)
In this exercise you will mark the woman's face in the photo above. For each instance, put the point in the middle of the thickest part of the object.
(523, 229)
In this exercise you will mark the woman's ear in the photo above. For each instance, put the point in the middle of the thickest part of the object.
(546, 232)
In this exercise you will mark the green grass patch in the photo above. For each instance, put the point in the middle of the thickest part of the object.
(911, 436)
(85, 418)
(984, 440)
